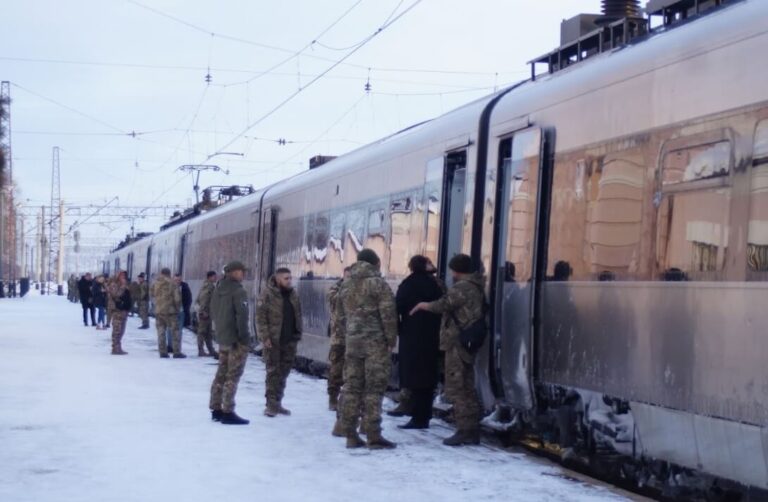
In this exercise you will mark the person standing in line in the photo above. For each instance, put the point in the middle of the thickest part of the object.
(186, 303)
(99, 300)
(108, 282)
(86, 299)
(71, 288)
(336, 351)
(143, 301)
(229, 311)
(366, 308)
(204, 332)
(278, 326)
(167, 298)
(461, 306)
(120, 293)
(419, 351)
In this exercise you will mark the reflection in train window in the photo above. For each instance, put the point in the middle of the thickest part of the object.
(376, 222)
(692, 233)
(402, 244)
(697, 163)
(757, 230)
(336, 243)
(356, 227)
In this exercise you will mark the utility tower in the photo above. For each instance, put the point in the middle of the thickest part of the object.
(55, 229)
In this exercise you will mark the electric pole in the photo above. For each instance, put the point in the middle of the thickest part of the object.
(54, 229)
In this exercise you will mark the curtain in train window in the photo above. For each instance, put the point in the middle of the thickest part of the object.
(335, 257)
(377, 238)
(757, 233)
(356, 220)
(697, 163)
(320, 245)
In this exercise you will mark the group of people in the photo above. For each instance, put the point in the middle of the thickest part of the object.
(366, 321)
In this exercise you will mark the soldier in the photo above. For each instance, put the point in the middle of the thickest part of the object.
(229, 309)
(204, 333)
(366, 309)
(336, 352)
(167, 298)
(109, 281)
(71, 288)
(120, 295)
(278, 326)
(462, 305)
(143, 301)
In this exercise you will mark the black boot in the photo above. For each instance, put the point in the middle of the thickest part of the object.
(179, 355)
(231, 418)
(414, 424)
(216, 415)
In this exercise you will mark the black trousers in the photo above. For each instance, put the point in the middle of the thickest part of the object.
(421, 402)
(86, 308)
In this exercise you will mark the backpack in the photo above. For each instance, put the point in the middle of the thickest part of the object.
(472, 336)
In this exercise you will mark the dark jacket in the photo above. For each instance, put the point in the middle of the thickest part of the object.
(99, 295)
(229, 311)
(418, 352)
(84, 288)
(186, 303)
(270, 314)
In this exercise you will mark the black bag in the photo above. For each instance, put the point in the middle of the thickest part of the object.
(472, 336)
(124, 302)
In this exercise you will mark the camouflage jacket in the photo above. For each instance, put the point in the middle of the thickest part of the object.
(108, 285)
(229, 311)
(204, 298)
(336, 331)
(464, 301)
(115, 292)
(135, 290)
(365, 310)
(269, 313)
(142, 292)
(166, 295)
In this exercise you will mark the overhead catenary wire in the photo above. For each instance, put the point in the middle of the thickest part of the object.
(326, 71)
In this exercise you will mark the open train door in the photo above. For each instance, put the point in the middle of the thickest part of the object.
(267, 247)
(521, 215)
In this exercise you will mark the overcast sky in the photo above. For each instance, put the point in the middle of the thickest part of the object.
(86, 73)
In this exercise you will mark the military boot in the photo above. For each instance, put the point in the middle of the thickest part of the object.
(354, 441)
(283, 411)
(231, 418)
(377, 442)
(338, 430)
(144, 326)
(179, 355)
(463, 437)
(216, 415)
(333, 401)
(200, 350)
(271, 409)
(403, 409)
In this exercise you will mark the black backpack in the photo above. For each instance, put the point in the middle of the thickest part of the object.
(472, 336)
(124, 302)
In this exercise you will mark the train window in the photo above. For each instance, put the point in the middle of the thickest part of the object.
(760, 154)
(692, 234)
(697, 163)
(402, 244)
(356, 228)
(757, 229)
(376, 222)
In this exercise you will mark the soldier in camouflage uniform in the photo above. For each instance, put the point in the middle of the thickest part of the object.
(143, 301)
(229, 311)
(366, 309)
(108, 283)
(167, 297)
(462, 305)
(204, 332)
(119, 294)
(278, 326)
(336, 352)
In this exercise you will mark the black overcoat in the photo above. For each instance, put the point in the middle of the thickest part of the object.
(418, 351)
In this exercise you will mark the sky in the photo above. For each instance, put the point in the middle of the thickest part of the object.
(87, 74)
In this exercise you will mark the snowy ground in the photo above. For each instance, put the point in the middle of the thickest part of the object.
(77, 424)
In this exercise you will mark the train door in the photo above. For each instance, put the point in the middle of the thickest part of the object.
(520, 206)
(444, 207)
(129, 266)
(148, 270)
(182, 252)
(268, 245)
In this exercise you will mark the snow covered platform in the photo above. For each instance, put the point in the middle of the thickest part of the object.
(77, 424)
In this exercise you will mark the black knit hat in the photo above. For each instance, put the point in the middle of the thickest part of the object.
(461, 264)
(369, 256)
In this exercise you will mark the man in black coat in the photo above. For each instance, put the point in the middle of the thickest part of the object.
(186, 302)
(419, 351)
(86, 298)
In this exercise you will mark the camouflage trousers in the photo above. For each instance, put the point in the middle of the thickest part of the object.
(279, 361)
(204, 334)
(460, 389)
(118, 330)
(231, 366)
(365, 381)
(110, 314)
(163, 323)
(144, 312)
(335, 369)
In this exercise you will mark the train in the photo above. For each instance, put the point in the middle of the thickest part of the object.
(618, 204)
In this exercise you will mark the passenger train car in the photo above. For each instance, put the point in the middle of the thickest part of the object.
(619, 206)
